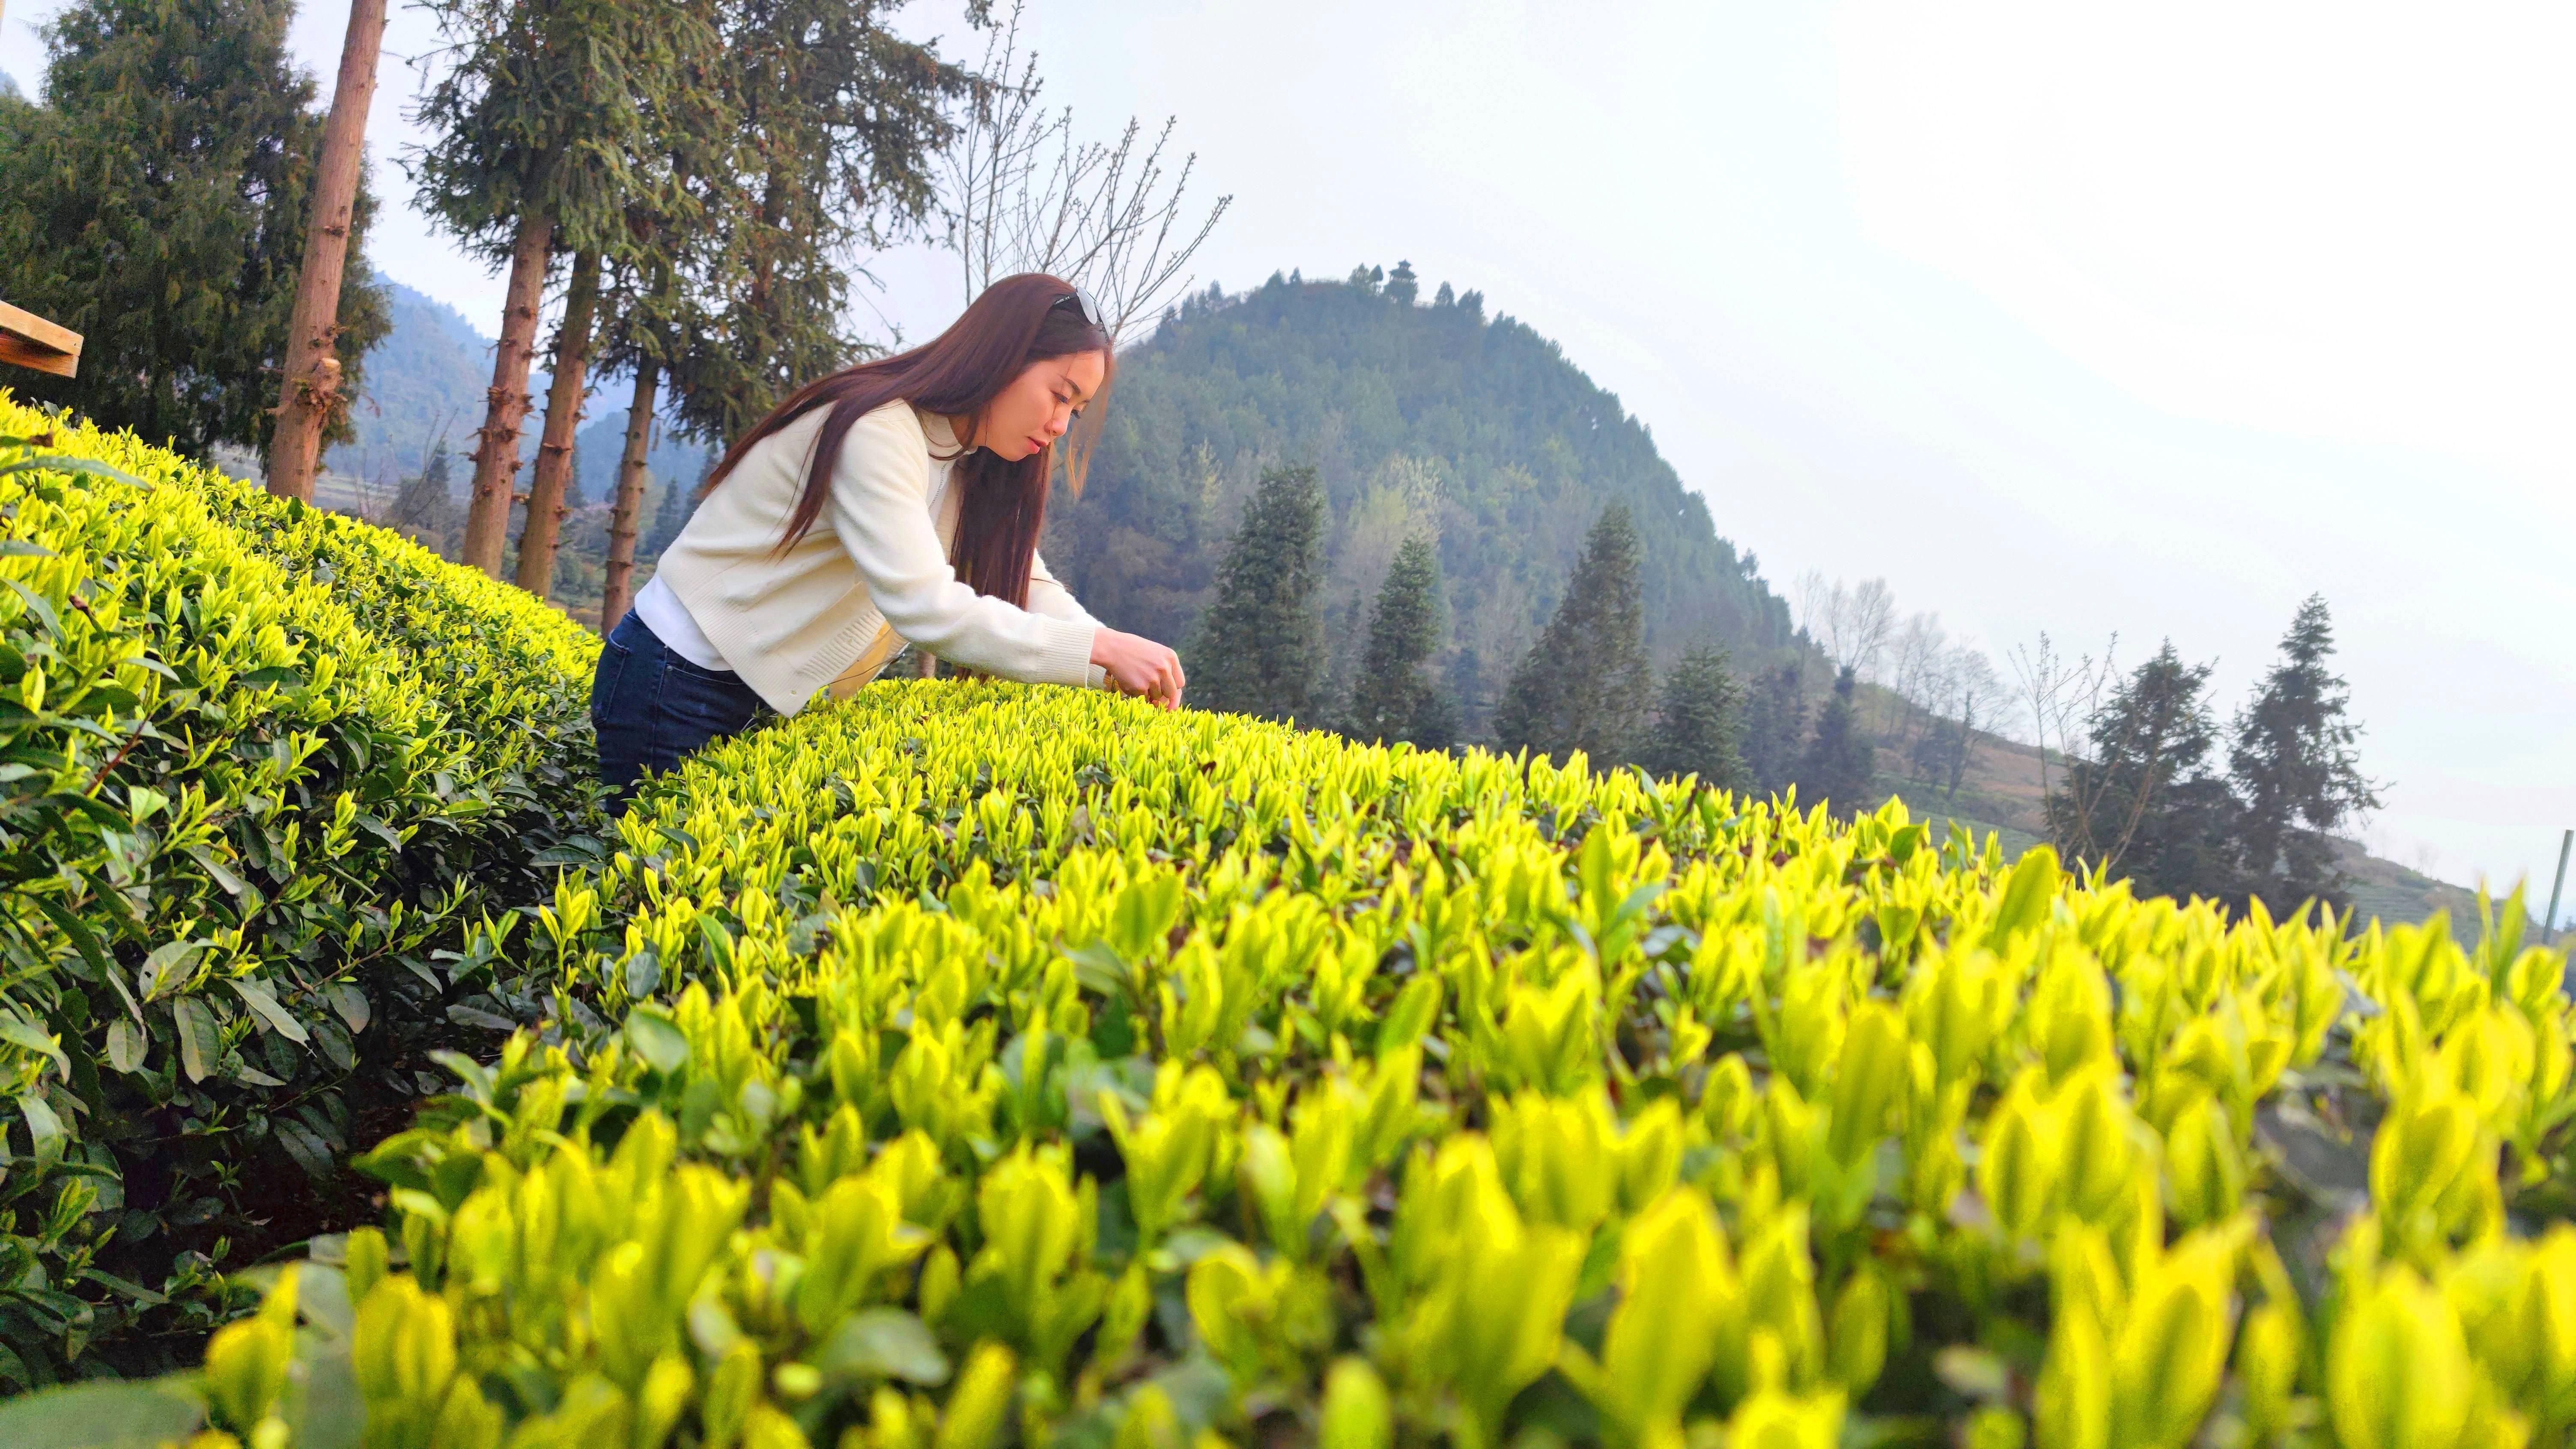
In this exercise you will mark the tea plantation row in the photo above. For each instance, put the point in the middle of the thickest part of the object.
(971, 1065)
(259, 767)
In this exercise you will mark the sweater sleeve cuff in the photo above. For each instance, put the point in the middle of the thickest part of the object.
(1064, 651)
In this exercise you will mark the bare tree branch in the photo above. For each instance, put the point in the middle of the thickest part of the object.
(2064, 695)
(1851, 623)
(1021, 193)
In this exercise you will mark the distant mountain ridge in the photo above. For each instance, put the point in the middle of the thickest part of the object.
(428, 379)
(425, 380)
(1422, 419)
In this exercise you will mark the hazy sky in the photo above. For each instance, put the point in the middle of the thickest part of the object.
(2076, 317)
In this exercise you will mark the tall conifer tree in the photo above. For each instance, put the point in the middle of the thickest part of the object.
(653, 309)
(155, 203)
(1393, 700)
(541, 138)
(1775, 727)
(426, 506)
(1942, 753)
(1260, 647)
(804, 137)
(837, 119)
(2296, 772)
(1840, 761)
(1698, 727)
(1584, 685)
(2147, 803)
(668, 520)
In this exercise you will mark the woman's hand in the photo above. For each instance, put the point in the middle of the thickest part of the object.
(1138, 665)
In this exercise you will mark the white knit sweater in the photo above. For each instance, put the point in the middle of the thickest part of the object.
(872, 573)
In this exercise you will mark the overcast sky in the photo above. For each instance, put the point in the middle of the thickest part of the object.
(2088, 318)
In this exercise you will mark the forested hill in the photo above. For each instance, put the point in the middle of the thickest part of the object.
(1423, 418)
(424, 381)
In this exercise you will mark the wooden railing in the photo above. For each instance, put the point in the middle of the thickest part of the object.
(30, 341)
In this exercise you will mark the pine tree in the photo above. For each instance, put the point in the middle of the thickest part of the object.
(837, 122)
(426, 506)
(1699, 724)
(1584, 684)
(1464, 691)
(155, 203)
(669, 519)
(1775, 728)
(2294, 768)
(1435, 720)
(807, 138)
(655, 306)
(1260, 648)
(542, 137)
(1840, 762)
(1941, 755)
(2146, 804)
(1393, 700)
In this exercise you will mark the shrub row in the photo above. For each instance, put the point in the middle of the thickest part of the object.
(260, 766)
(969, 1065)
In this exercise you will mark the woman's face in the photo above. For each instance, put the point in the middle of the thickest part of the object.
(1038, 405)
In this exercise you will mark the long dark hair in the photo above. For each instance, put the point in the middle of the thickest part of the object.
(1015, 323)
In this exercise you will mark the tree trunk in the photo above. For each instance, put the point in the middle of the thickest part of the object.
(311, 395)
(544, 528)
(620, 592)
(496, 451)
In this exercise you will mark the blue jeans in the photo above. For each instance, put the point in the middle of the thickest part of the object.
(651, 707)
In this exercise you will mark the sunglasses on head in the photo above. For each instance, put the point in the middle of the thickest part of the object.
(1083, 307)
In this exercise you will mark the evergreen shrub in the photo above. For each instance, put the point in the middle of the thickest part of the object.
(968, 1064)
(260, 766)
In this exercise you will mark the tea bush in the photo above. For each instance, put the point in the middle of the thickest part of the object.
(260, 766)
(974, 1065)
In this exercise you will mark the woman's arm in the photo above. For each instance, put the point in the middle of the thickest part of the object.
(880, 511)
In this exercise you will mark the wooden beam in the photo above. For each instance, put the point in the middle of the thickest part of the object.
(30, 341)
